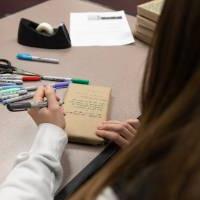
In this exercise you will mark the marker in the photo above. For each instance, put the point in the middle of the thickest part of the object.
(31, 78)
(6, 84)
(22, 106)
(23, 78)
(31, 88)
(18, 82)
(20, 98)
(21, 92)
(59, 85)
(11, 92)
(29, 57)
(5, 75)
(9, 86)
(62, 79)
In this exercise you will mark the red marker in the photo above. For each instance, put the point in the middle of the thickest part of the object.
(31, 78)
(23, 78)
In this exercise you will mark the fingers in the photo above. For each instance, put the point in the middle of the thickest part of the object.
(113, 136)
(111, 122)
(130, 128)
(51, 98)
(39, 94)
(121, 133)
(119, 128)
(53, 114)
(134, 123)
(57, 98)
(38, 97)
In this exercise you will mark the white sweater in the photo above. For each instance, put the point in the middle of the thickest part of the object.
(37, 174)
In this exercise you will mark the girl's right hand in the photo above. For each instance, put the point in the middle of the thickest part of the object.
(54, 114)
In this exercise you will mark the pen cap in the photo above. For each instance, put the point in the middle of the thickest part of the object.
(24, 56)
(80, 81)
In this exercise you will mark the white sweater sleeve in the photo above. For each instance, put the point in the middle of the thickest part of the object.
(37, 174)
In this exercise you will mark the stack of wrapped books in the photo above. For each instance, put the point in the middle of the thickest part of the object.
(147, 17)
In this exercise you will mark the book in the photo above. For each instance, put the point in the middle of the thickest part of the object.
(146, 23)
(143, 34)
(144, 31)
(86, 107)
(151, 10)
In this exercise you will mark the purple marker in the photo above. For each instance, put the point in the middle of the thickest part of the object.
(61, 85)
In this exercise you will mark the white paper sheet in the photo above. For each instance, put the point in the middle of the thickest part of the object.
(100, 29)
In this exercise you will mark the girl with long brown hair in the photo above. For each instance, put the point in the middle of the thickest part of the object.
(163, 160)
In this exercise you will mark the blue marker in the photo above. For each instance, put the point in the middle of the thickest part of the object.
(6, 84)
(29, 57)
(20, 98)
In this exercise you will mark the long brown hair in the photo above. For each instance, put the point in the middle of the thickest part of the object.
(168, 141)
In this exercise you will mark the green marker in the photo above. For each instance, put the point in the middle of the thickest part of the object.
(8, 91)
(80, 81)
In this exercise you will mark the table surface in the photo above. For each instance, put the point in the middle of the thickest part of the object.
(120, 68)
(129, 6)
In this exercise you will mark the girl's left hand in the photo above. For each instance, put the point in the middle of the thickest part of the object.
(119, 132)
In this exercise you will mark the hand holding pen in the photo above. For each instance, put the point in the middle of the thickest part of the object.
(53, 114)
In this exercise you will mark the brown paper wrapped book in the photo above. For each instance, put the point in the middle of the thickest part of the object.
(144, 34)
(151, 10)
(144, 22)
(148, 15)
(85, 107)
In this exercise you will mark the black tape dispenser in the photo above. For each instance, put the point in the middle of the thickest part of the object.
(43, 35)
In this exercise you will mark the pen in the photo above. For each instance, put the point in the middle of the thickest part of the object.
(73, 80)
(22, 106)
(20, 98)
(29, 57)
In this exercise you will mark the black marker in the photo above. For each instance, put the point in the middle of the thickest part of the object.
(23, 106)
